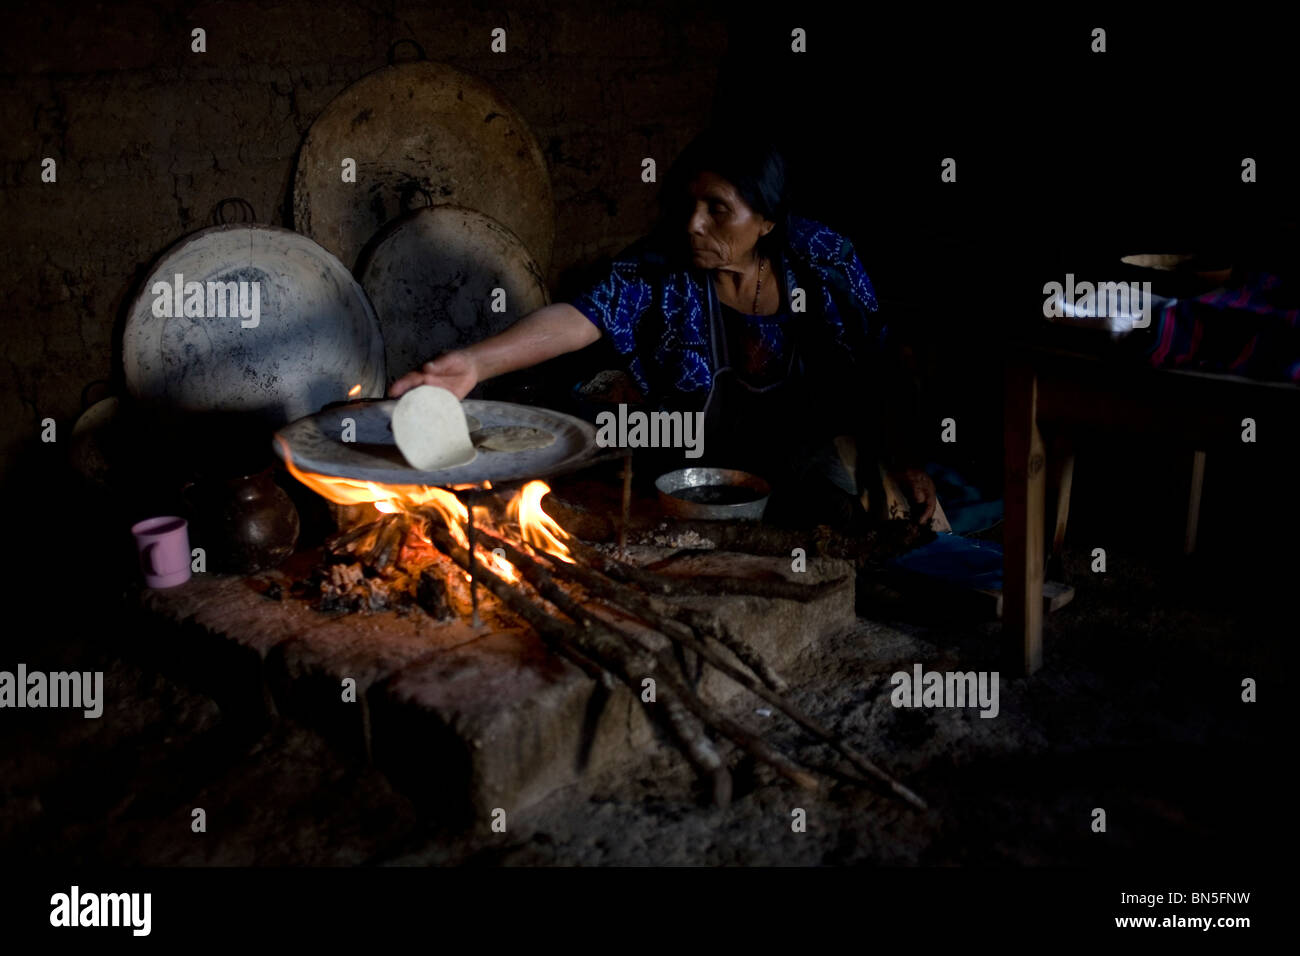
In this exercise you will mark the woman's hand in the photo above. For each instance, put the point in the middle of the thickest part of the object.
(457, 372)
(918, 487)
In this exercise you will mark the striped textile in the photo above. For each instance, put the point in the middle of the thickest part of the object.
(1252, 331)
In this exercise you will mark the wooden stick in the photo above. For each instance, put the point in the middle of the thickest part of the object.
(547, 625)
(1193, 505)
(874, 546)
(725, 725)
(544, 583)
(771, 695)
(653, 612)
(628, 600)
(340, 541)
(701, 585)
(418, 525)
(706, 625)
(473, 561)
(573, 643)
(554, 631)
(390, 540)
(699, 749)
(610, 649)
(370, 542)
(431, 593)
(593, 639)
(627, 507)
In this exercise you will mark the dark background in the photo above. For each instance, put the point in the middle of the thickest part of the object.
(1066, 160)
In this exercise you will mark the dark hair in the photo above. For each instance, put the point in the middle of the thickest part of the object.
(751, 162)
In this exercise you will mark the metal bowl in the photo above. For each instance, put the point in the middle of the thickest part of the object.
(714, 494)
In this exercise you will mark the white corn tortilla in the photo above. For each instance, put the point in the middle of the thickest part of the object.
(430, 430)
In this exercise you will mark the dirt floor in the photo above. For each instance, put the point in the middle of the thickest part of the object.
(1138, 712)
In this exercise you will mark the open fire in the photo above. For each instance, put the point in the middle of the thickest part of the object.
(410, 509)
(616, 621)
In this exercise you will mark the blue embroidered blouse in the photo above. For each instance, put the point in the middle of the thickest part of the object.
(657, 317)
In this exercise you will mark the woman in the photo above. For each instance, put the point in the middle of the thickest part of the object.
(733, 307)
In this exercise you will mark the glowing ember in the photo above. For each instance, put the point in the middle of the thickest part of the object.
(354, 391)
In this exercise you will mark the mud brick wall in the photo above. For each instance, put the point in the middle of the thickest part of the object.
(149, 136)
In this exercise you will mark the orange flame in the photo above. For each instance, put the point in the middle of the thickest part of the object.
(354, 391)
(535, 526)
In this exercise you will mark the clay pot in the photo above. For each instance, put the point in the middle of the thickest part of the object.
(248, 523)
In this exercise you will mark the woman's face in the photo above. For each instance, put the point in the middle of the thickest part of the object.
(723, 228)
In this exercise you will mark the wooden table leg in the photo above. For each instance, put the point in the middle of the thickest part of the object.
(1060, 466)
(1194, 501)
(1025, 476)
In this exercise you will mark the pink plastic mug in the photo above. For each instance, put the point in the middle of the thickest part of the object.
(164, 546)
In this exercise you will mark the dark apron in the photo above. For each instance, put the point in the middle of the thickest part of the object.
(763, 430)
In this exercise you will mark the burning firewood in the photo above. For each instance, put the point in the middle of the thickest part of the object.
(346, 540)
(625, 599)
(343, 576)
(545, 584)
(431, 594)
(390, 538)
(542, 573)
(609, 617)
(589, 639)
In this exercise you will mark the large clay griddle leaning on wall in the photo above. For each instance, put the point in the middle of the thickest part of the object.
(316, 338)
(420, 129)
(431, 277)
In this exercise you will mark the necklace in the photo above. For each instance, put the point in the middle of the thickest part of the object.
(759, 287)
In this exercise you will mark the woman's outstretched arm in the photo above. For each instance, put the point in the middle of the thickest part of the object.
(549, 331)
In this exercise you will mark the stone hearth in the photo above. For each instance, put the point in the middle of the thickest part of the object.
(466, 719)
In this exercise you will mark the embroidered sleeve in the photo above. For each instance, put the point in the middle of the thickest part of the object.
(858, 280)
(849, 302)
(616, 303)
